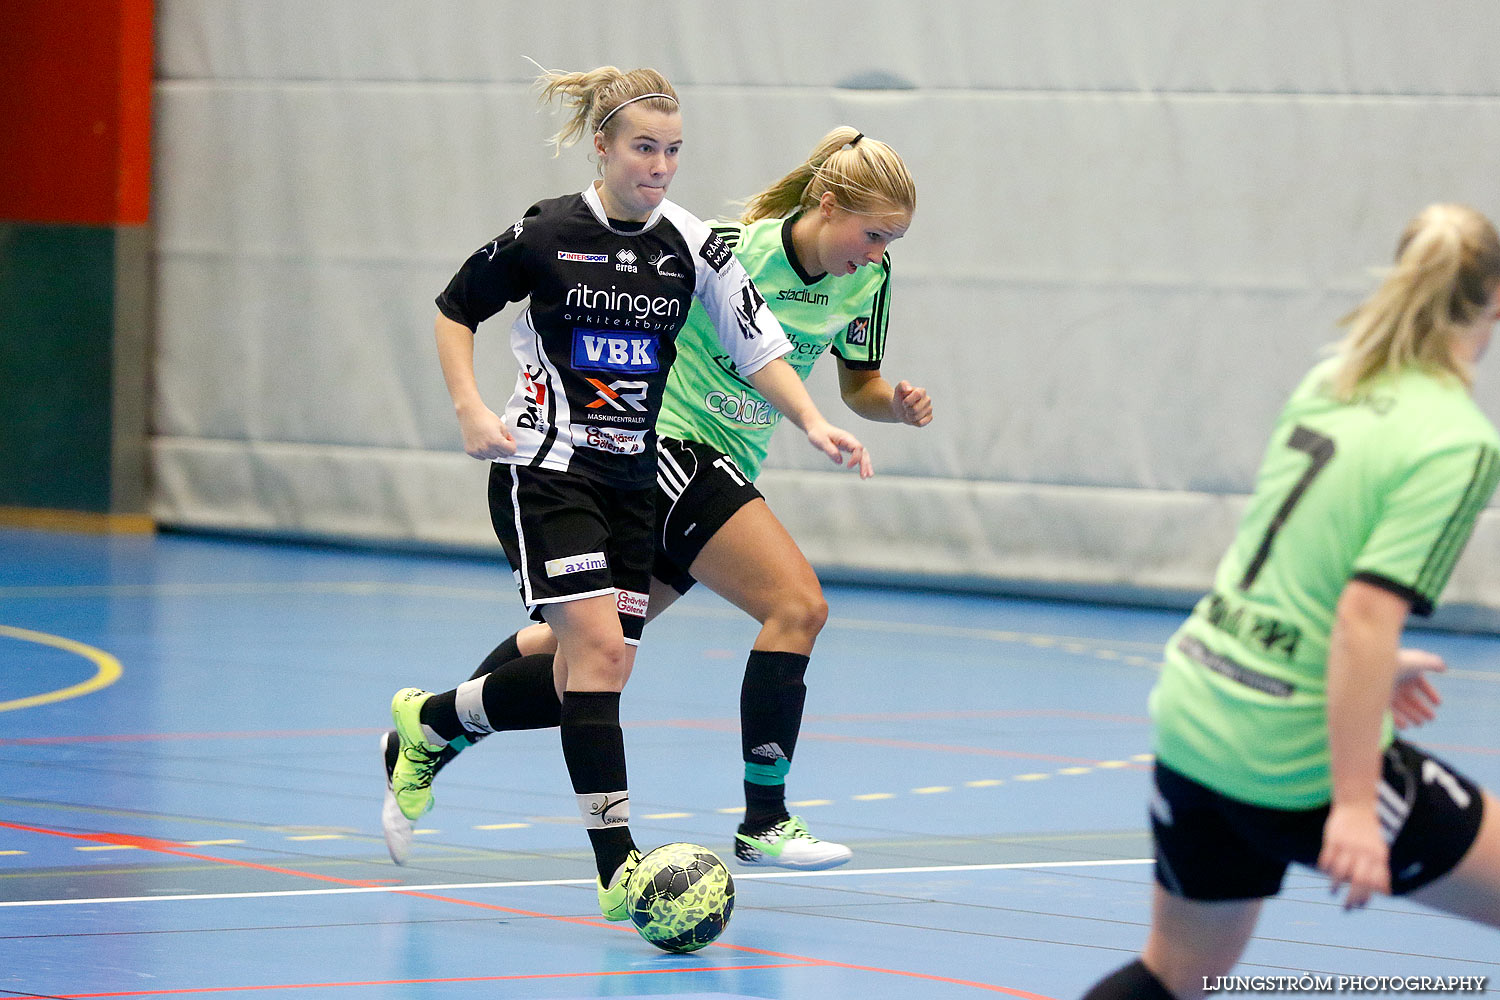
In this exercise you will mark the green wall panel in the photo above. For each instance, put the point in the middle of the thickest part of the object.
(56, 349)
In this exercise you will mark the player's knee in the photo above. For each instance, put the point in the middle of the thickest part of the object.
(602, 672)
(536, 638)
(802, 611)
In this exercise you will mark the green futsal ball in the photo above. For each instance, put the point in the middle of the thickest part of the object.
(680, 897)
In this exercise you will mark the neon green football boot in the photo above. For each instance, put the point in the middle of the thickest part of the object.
(416, 760)
(613, 902)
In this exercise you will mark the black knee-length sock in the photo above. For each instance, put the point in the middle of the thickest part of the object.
(771, 699)
(594, 748)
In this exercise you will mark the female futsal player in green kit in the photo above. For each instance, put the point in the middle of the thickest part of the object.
(1275, 709)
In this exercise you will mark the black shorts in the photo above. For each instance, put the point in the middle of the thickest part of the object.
(698, 488)
(567, 538)
(1212, 847)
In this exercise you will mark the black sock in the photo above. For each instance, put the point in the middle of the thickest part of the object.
(499, 656)
(518, 693)
(1131, 982)
(439, 715)
(594, 748)
(771, 699)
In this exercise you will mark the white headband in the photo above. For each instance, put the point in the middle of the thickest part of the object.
(617, 107)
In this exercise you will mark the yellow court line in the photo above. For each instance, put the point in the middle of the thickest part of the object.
(109, 668)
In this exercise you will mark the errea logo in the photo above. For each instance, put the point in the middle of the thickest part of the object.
(626, 260)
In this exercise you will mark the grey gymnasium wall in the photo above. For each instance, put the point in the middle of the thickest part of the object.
(1137, 224)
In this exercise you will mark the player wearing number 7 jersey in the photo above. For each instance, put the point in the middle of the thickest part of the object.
(1276, 707)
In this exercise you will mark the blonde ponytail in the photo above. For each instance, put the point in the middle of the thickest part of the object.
(596, 95)
(1447, 266)
(865, 175)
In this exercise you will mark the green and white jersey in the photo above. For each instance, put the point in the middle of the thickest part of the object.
(707, 400)
(1384, 490)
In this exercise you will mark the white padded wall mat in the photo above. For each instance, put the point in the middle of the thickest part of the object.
(1137, 224)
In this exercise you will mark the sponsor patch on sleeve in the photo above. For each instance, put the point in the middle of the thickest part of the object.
(858, 330)
(716, 252)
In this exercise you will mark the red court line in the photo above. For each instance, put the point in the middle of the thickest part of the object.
(169, 847)
(254, 734)
(831, 963)
(423, 982)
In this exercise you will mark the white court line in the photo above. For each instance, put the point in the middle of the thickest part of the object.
(450, 886)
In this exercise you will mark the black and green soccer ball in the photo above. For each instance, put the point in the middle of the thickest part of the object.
(680, 897)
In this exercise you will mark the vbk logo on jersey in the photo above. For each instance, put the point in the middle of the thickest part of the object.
(858, 330)
(614, 350)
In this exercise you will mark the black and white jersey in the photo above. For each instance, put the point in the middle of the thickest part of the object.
(599, 333)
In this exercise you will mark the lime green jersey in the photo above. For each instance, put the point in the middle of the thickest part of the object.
(706, 398)
(1386, 490)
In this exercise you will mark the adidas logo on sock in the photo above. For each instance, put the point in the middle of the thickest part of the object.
(768, 750)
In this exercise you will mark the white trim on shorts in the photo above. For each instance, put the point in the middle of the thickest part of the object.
(526, 596)
(515, 512)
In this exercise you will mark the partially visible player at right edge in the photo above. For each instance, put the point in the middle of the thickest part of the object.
(1276, 707)
(814, 242)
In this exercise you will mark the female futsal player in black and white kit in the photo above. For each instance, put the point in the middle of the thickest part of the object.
(609, 273)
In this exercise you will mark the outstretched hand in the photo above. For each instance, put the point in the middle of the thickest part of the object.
(911, 405)
(485, 434)
(836, 443)
(1414, 700)
(1354, 853)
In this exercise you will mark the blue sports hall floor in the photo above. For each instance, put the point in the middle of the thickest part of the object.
(191, 793)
